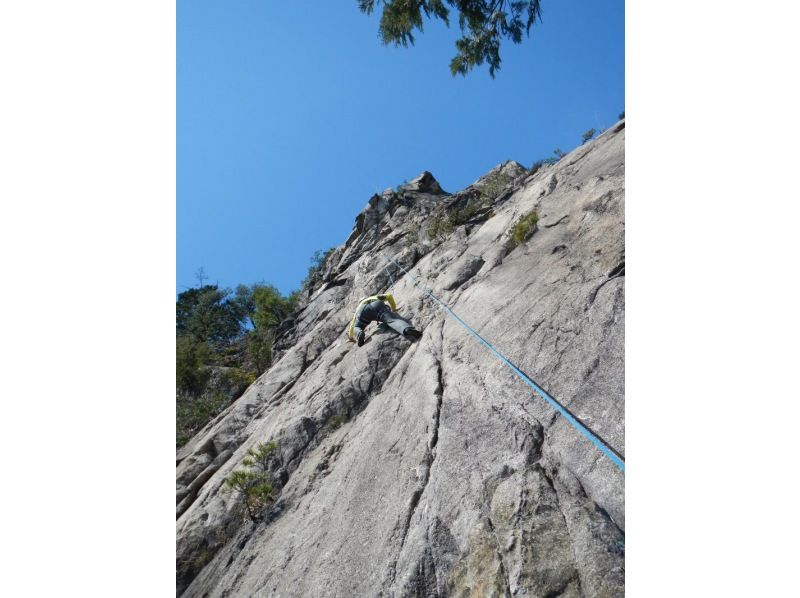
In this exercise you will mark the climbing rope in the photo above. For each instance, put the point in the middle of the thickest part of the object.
(605, 449)
(389, 272)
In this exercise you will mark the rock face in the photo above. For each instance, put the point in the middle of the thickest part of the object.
(429, 468)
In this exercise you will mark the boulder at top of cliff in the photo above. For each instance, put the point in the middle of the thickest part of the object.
(424, 183)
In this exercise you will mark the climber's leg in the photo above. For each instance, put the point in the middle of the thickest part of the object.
(358, 331)
(397, 323)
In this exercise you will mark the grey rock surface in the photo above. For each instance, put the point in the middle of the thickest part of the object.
(448, 477)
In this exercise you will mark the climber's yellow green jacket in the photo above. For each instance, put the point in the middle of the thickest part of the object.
(365, 301)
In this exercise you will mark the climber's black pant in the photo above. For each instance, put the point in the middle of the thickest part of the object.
(377, 311)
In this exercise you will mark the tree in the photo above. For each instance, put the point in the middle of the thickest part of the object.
(200, 275)
(270, 307)
(254, 484)
(259, 348)
(483, 24)
(190, 356)
(208, 315)
(559, 154)
(588, 135)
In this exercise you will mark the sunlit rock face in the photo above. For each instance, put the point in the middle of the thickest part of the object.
(430, 468)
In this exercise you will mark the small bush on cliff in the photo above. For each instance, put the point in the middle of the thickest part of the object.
(254, 483)
(195, 564)
(412, 237)
(439, 227)
(337, 421)
(314, 275)
(524, 228)
(588, 135)
(494, 186)
(537, 166)
(445, 221)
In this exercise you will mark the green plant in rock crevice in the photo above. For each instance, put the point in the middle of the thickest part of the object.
(524, 228)
(337, 421)
(412, 237)
(254, 484)
(493, 186)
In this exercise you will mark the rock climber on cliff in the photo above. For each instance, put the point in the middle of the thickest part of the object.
(373, 309)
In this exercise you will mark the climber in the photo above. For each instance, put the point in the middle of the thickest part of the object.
(373, 309)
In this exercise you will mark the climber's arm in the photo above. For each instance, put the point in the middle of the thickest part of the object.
(351, 334)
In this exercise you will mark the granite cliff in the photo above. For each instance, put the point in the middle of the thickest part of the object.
(429, 468)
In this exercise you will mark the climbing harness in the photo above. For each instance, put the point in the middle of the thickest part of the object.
(602, 446)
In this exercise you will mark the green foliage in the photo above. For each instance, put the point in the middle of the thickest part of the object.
(337, 421)
(483, 23)
(559, 154)
(254, 483)
(440, 226)
(621, 115)
(524, 228)
(208, 315)
(587, 135)
(261, 454)
(190, 356)
(237, 379)
(315, 269)
(493, 186)
(198, 561)
(293, 299)
(194, 412)
(540, 163)
(464, 215)
(433, 227)
(259, 349)
(271, 308)
(412, 237)
(217, 327)
(445, 221)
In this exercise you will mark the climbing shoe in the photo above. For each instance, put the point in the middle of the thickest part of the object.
(360, 338)
(412, 334)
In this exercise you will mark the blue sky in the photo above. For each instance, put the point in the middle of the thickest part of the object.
(291, 115)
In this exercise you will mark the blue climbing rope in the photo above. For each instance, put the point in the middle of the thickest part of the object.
(389, 272)
(525, 378)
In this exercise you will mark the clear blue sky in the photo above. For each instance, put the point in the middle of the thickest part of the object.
(290, 115)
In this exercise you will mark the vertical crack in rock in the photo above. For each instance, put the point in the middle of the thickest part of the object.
(595, 537)
(499, 555)
(430, 457)
(487, 509)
